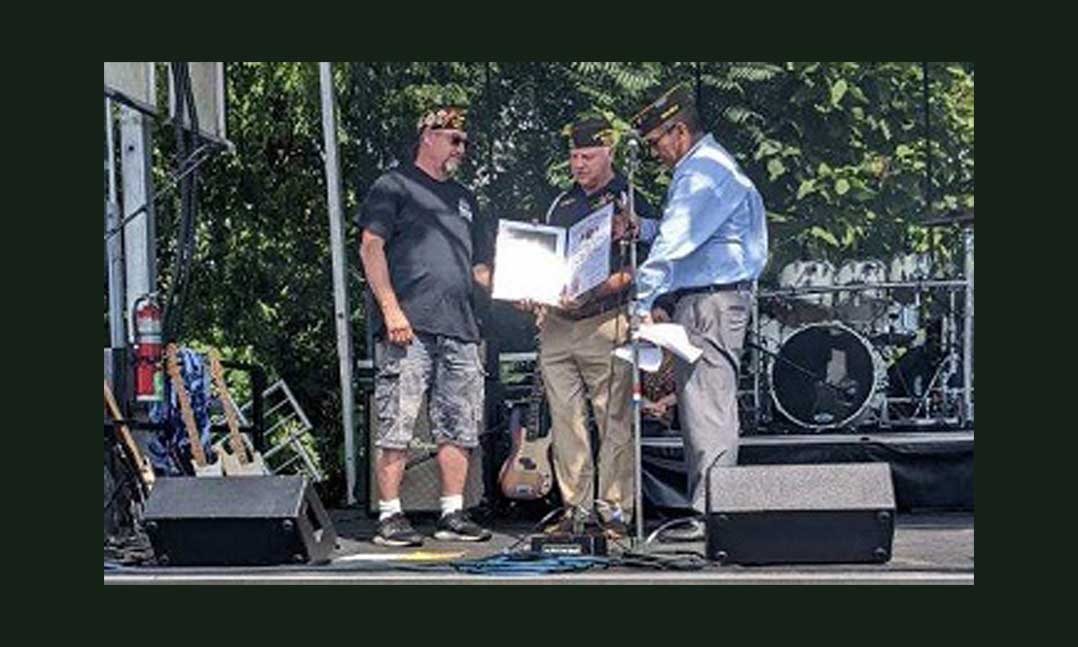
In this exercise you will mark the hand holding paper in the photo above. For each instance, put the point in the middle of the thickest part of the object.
(654, 336)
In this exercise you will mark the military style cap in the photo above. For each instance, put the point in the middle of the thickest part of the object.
(663, 109)
(448, 117)
(590, 131)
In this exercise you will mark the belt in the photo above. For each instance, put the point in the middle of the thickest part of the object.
(707, 289)
(588, 311)
(593, 308)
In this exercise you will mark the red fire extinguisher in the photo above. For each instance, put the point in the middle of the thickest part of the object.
(149, 376)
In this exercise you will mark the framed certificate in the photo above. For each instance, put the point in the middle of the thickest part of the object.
(541, 263)
(529, 262)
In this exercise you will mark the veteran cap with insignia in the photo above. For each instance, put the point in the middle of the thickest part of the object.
(672, 103)
(590, 131)
(447, 117)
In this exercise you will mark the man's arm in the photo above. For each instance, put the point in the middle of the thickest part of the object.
(372, 253)
(693, 212)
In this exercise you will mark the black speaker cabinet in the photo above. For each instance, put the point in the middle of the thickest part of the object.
(247, 520)
(798, 514)
(421, 487)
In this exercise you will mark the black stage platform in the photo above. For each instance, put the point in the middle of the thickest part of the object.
(933, 542)
(928, 548)
(932, 470)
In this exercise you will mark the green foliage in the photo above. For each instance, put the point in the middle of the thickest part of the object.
(837, 150)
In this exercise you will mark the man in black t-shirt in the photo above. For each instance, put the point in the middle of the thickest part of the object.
(424, 245)
(576, 342)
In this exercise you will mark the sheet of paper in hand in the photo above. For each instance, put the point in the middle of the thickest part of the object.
(541, 263)
(670, 336)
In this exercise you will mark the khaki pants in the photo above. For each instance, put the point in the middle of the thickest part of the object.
(577, 363)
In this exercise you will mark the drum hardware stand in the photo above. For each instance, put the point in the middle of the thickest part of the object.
(967, 337)
(756, 358)
(946, 369)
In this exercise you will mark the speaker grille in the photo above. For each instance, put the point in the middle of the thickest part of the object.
(852, 486)
(220, 498)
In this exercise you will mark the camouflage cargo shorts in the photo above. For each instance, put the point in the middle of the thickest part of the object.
(446, 369)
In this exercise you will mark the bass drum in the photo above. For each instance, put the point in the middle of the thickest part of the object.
(825, 376)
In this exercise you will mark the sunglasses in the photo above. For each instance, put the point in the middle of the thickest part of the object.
(653, 143)
(457, 140)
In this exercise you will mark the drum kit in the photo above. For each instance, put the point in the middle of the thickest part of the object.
(870, 343)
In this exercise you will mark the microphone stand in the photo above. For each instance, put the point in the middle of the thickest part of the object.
(634, 325)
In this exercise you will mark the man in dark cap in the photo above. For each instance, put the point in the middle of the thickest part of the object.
(424, 245)
(576, 342)
(710, 248)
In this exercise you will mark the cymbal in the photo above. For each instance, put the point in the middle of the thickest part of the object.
(953, 218)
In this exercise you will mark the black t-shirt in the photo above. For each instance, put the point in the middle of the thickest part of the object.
(575, 205)
(434, 235)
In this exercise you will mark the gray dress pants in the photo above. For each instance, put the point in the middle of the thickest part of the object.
(707, 389)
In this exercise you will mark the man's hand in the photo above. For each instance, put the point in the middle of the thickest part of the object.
(566, 303)
(625, 224)
(540, 316)
(658, 315)
(656, 409)
(398, 328)
(622, 227)
(481, 274)
(534, 307)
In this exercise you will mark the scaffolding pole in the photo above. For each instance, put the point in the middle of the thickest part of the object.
(341, 311)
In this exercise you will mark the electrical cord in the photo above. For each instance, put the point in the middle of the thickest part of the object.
(669, 524)
(186, 167)
(185, 248)
(673, 560)
(501, 564)
(539, 524)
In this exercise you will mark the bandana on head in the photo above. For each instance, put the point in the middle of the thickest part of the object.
(450, 117)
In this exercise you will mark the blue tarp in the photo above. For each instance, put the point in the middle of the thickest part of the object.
(170, 450)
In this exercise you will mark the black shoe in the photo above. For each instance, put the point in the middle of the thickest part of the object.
(562, 526)
(689, 531)
(456, 526)
(396, 531)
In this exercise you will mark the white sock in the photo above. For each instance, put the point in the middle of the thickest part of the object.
(387, 509)
(452, 503)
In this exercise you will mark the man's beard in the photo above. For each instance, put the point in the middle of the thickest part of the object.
(451, 165)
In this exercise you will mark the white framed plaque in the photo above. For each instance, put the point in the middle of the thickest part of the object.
(529, 262)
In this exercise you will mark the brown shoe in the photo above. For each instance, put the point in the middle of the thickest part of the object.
(615, 530)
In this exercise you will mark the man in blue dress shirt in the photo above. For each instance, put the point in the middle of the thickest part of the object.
(710, 247)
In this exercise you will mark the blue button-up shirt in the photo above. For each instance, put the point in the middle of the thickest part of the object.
(713, 229)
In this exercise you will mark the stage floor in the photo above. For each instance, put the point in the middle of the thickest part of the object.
(928, 548)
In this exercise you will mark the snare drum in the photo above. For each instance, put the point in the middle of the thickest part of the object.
(807, 307)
